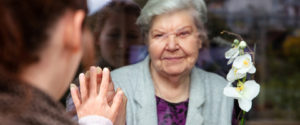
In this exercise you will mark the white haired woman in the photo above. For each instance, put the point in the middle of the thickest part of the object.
(166, 88)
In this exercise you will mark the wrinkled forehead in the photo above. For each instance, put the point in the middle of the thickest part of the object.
(173, 21)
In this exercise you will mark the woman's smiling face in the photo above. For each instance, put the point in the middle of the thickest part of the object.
(173, 43)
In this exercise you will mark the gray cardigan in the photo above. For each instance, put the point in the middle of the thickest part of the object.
(207, 104)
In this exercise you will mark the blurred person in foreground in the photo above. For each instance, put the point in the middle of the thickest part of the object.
(41, 46)
(166, 88)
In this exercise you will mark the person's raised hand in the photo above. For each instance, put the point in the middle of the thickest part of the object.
(93, 98)
(111, 92)
(121, 118)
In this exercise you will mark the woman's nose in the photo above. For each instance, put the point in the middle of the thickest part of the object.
(172, 44)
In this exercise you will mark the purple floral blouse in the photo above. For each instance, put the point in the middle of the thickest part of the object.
(171, 113)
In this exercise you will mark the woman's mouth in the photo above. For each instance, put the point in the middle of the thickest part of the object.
(173, 59)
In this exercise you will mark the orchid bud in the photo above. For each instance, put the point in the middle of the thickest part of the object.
(236, 42)
(242, 44)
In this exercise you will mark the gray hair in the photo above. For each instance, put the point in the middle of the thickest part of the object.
(158, 7)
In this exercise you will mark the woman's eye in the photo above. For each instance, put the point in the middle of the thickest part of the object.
(157, 35)
(184, 34)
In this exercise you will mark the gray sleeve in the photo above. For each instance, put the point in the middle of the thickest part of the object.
(226, 111)
(226, 103)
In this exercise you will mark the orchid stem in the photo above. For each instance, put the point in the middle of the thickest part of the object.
(243, 118)
(244, 79)
(238, 118)
(233, 34)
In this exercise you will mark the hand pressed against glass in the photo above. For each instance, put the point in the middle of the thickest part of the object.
(173, 43)
(94, 98)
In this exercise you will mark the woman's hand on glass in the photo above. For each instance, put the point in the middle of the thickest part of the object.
(97, 96)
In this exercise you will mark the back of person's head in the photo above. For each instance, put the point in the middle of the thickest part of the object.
(25, 28)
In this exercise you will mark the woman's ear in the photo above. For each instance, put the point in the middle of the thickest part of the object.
(78, 28)
(73, 31)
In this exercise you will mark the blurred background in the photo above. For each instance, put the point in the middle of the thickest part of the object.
(274, 27)
(270, 27)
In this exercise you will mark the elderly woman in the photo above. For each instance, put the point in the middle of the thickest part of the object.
(166, 88)
(39, 52)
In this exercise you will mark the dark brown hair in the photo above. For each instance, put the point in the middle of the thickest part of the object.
(96, 22)
(23, 32)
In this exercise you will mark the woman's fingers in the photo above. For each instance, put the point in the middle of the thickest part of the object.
(110, 94)
(83, 87)
(121, 118)
(93, 82)
(111, 91)
(75, 95)
(117, 103)
(99, 78)
(104, 83)
(107, 103)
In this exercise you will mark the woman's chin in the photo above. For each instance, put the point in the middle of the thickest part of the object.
(174, 71)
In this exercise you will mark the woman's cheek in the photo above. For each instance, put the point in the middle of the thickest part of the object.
(192, 51)
(156, 49)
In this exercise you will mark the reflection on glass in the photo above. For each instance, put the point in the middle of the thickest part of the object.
(115, 32)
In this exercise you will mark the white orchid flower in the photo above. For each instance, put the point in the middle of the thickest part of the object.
(234, 75)
(231, 54)
(240, 67)
(244, 64)
(244, 93)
